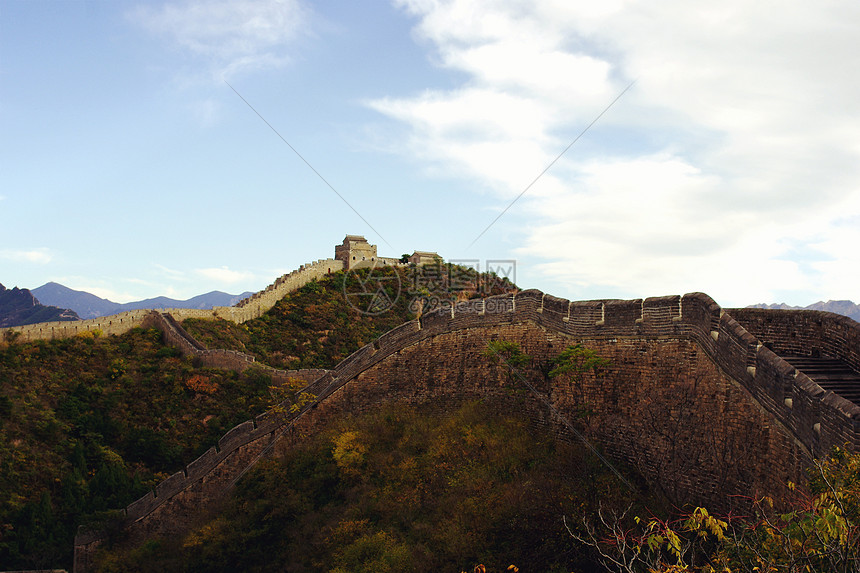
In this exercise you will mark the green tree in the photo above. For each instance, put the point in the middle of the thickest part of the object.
(507, 352)
(574, 361)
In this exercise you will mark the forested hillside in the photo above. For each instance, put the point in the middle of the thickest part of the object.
(402, 490)
(90, 423)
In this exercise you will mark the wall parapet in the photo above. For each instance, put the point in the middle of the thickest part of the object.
(113, 324)
(818, 419)
(176, 336)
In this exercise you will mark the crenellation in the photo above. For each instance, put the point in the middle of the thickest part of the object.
(622, 316)
(701, 313)
(269, 421)
(554, 312)
(805, 414)
(85, 536)
(804, 332)
(731, 349)
(661, 316)
(554, 304)
(776, 375)
(584, 316)
(355, 362)
(471, 317)
(433, 319)
(115, 324)
(529, 300)
(399, 336)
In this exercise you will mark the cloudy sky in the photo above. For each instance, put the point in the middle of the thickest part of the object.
(730, 165)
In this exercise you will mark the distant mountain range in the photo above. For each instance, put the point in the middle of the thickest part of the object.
(52, 302)
(19, 307)
(88, 305)
(843, 307)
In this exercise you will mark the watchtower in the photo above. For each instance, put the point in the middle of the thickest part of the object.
(355, 251)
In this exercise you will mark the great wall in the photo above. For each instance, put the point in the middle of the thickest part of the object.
(245, 310)
(678, 364)
(354, 253)
(693, 392)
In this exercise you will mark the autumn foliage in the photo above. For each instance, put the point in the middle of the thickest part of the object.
(401, 490)
(813, 531)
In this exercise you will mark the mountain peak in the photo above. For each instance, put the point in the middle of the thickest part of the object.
(19, 307)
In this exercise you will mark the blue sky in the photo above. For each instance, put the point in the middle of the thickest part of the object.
(130, 169)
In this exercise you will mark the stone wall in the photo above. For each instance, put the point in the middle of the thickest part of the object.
(245, 310)
(175, 335)
(690, 394)
(257, 304)
(661, 406)
(114, 324)
(819, 418)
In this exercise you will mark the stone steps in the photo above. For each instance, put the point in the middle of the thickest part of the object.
(829, 373)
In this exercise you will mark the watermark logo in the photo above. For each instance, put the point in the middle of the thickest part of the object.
(499, 274)
(373, 290)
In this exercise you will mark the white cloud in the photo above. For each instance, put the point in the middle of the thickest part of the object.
(173, 274)
(839, 275)
(224, 275)
(737, 148)
(41, 256)
(231, 35)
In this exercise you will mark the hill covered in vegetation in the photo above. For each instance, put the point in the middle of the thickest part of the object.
(323, 322)
(90, 423)
(400, 490)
